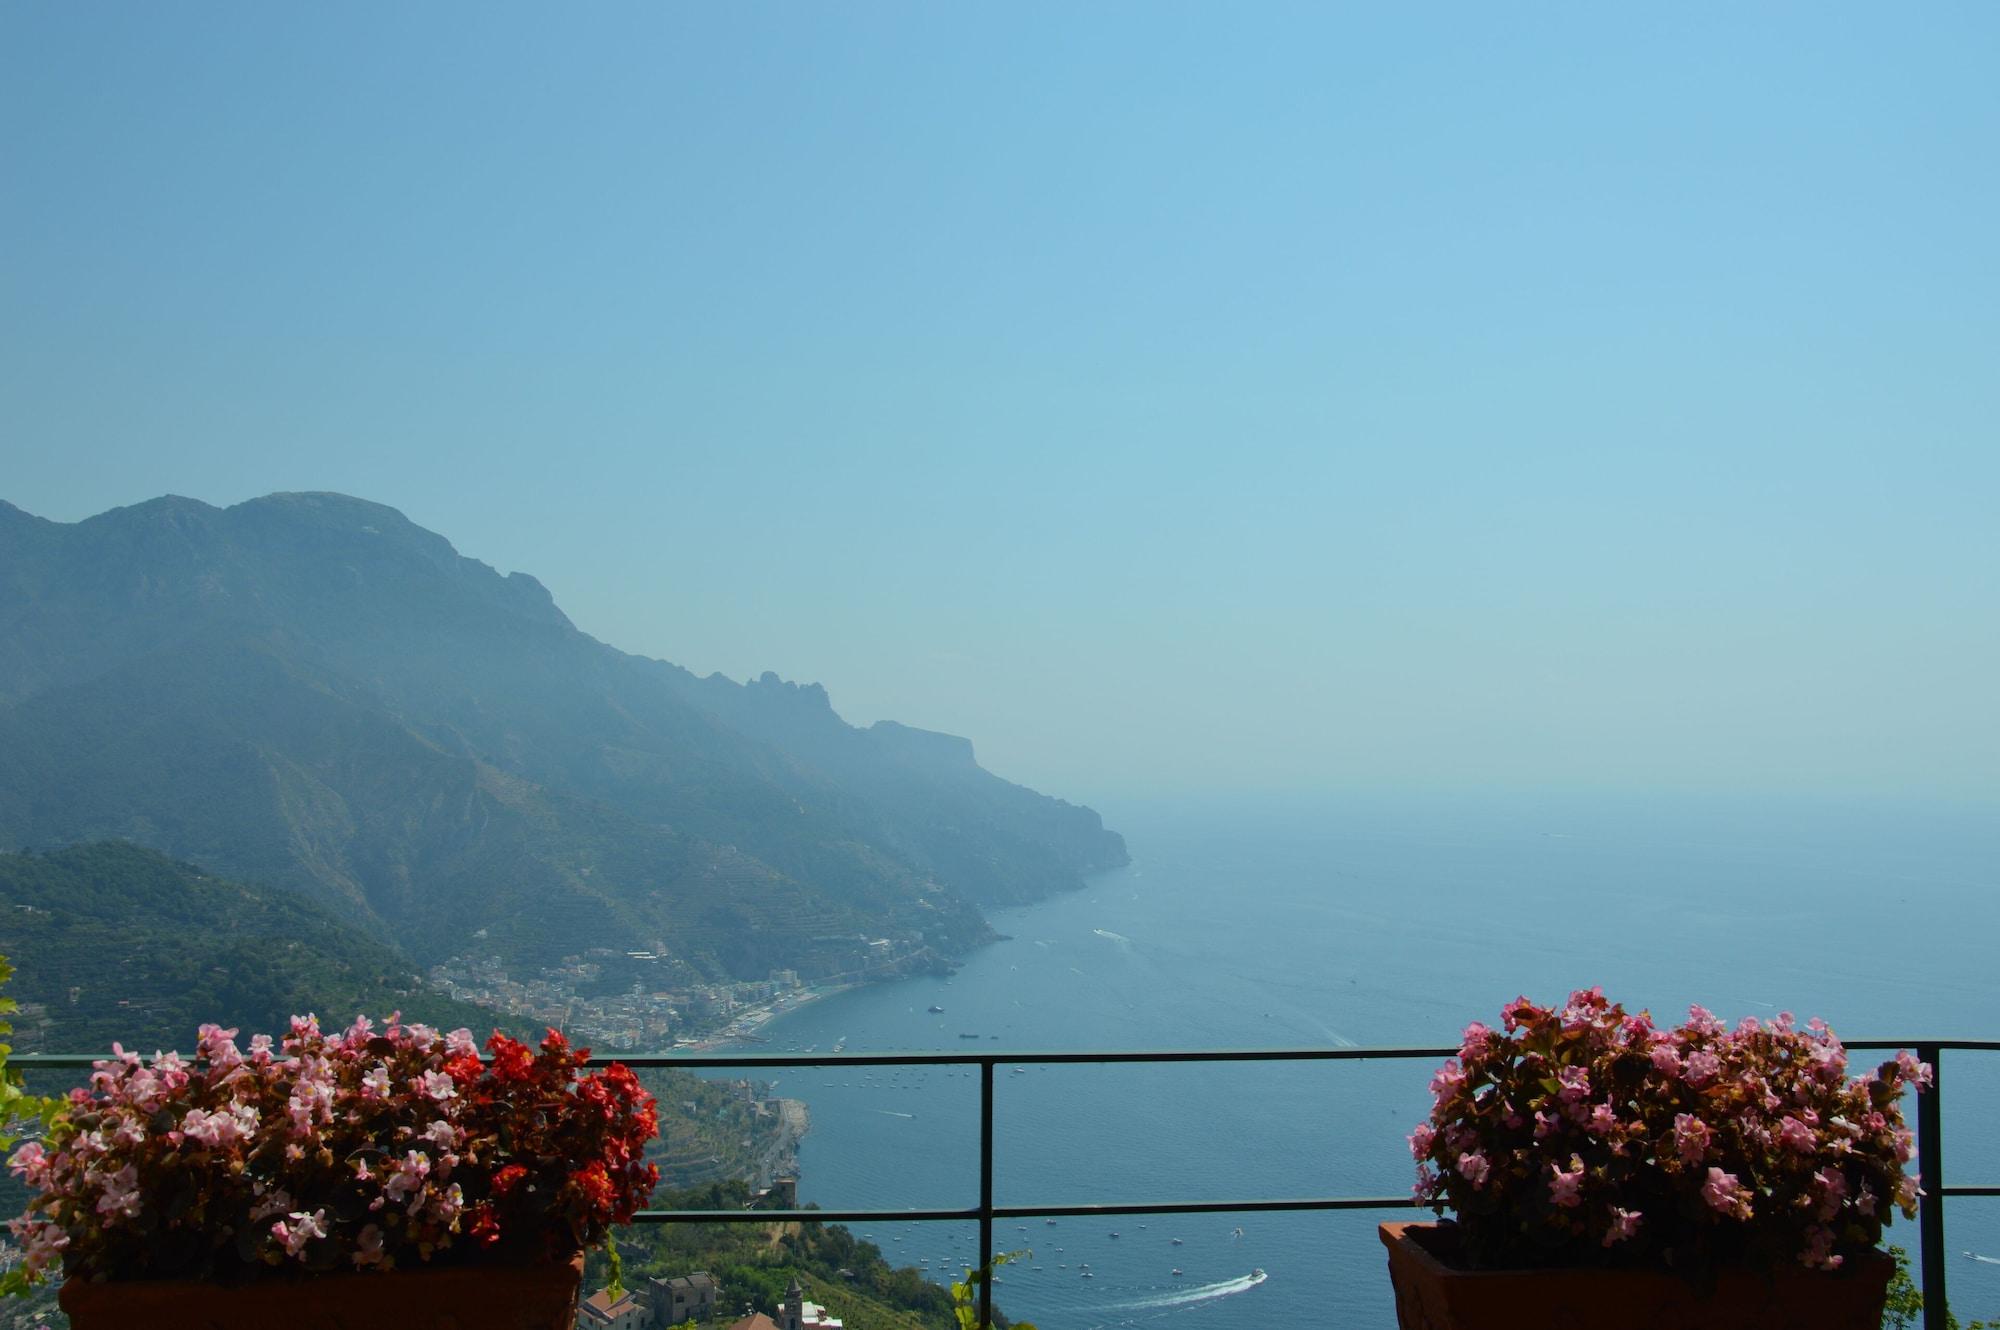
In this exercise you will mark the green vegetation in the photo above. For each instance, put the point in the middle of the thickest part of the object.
(120, 943)
(965, 1292)
(17, 1109)
(753, 1263)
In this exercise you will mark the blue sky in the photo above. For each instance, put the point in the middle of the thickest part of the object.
(1168, 397)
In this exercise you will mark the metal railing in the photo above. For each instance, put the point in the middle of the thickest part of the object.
(1929, 1133)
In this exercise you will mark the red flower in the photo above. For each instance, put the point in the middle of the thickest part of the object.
(511, 1059)
(484, 1229)
(595, 1184)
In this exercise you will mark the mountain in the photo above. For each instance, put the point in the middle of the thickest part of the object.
(309, 689)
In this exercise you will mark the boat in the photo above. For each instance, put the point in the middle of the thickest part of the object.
(936, 1010)
(1114, 1232)
(1177, 1269)
(1050, 1222)
(963, 1035)
(1088, 1275)
(1177, 1242)
(1257, 1272)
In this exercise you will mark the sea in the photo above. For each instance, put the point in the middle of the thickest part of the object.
(1372, 921)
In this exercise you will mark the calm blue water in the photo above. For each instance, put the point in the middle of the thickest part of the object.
(1373, 922)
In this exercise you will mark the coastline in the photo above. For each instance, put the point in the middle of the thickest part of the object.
(745, 1027)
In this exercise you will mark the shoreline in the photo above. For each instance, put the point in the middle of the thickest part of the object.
(746, 1026)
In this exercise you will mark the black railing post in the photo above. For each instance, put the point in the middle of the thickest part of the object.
(986, 1193)
(1930, 1173)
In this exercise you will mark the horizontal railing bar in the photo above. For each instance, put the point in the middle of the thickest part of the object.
(647, 1061)
(1205, 1207)
(1021, 1211)
(970, 1215)
(1969, 1191)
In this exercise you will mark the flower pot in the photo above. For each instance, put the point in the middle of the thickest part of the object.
(530, 1297)
(1433, 1294)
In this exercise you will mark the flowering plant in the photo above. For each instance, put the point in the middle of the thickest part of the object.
(1589, 1136)
(362, 1150)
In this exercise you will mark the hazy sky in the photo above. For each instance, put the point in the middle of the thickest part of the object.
(1166, 397)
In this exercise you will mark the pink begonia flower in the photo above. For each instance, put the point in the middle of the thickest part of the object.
(121, 1194)
(42, 1242)
(1908, 1193)
(368, 1246)
(409, 1176)
(217, 1047)
(1692, 1137)
(1624, 1223)
(1603, 1120)
(446, 1205)
(1701, 1068)
(1575, 1083)
(376, 1082)
(1565, 1188)
(1666, 1060)
(441, 1134)
(460, 1042)
(1475, 1040)
(1702, 1021)
(1915, 1072)
(1797, 1135)
(1819, 1249)
(1545, 1125)
(1726, 1194)
(436, 1085)
(1473, 1168)
(276, 1202)
(1833, 1190)
(1448, 1079)
(1864, 1201)
(1421, 1139)
(301, 1229)
(31, 1164)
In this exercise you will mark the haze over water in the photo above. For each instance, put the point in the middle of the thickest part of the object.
(1372, 922)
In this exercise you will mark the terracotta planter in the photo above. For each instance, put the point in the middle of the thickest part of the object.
(1431, 1294)
(536, 1297)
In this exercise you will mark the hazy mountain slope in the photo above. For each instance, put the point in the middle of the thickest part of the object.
(311, 689)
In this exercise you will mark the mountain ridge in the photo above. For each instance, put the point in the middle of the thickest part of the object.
(308, 688)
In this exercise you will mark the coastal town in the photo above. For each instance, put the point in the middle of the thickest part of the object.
(693, 1299)
(631, 1000)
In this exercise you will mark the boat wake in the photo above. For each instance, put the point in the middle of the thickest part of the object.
(1985, 1260)
(890, 1112)
(1205, 1293)
(1119, 938)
